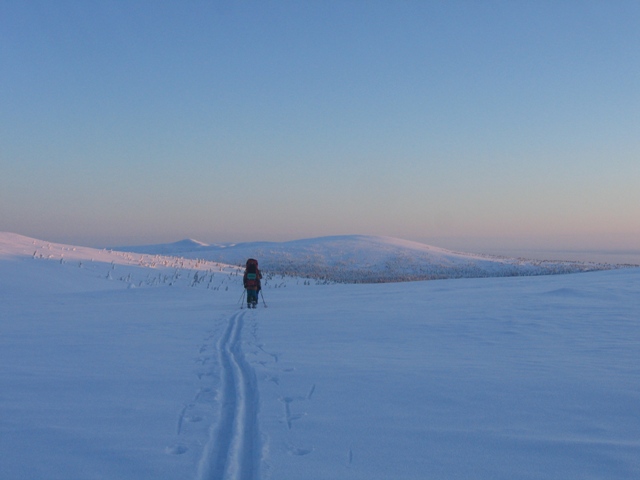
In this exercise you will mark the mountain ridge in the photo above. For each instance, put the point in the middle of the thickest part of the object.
(365, 259)
(332, 259)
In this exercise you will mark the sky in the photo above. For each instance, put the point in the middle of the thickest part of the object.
(463, 124)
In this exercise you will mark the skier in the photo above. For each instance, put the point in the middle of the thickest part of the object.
(251, 281)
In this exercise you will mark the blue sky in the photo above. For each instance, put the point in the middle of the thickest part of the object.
(468, 124)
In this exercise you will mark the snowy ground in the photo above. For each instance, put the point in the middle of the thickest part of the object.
(126, 366)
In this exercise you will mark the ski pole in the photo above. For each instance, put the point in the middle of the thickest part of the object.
(242, 298)
(262, 295)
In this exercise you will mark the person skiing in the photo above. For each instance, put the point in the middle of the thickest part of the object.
(251, 281)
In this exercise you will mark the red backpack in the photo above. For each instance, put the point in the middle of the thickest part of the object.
(253, 263)
(251, 273)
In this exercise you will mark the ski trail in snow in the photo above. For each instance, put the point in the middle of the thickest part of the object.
(233, 450)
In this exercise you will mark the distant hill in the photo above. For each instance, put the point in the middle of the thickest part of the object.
(365, 259)
(177, 248)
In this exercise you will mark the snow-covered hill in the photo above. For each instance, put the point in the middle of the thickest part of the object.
(365, 259)
(132, 269)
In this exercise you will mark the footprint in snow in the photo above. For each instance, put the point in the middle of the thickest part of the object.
(299, 452)
(175, 450)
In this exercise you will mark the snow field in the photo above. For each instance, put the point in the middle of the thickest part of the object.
(107, 373)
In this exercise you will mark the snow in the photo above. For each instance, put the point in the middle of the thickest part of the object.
(129, 365)
(366, 259)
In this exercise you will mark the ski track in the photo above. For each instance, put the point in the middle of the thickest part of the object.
(233, 451)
